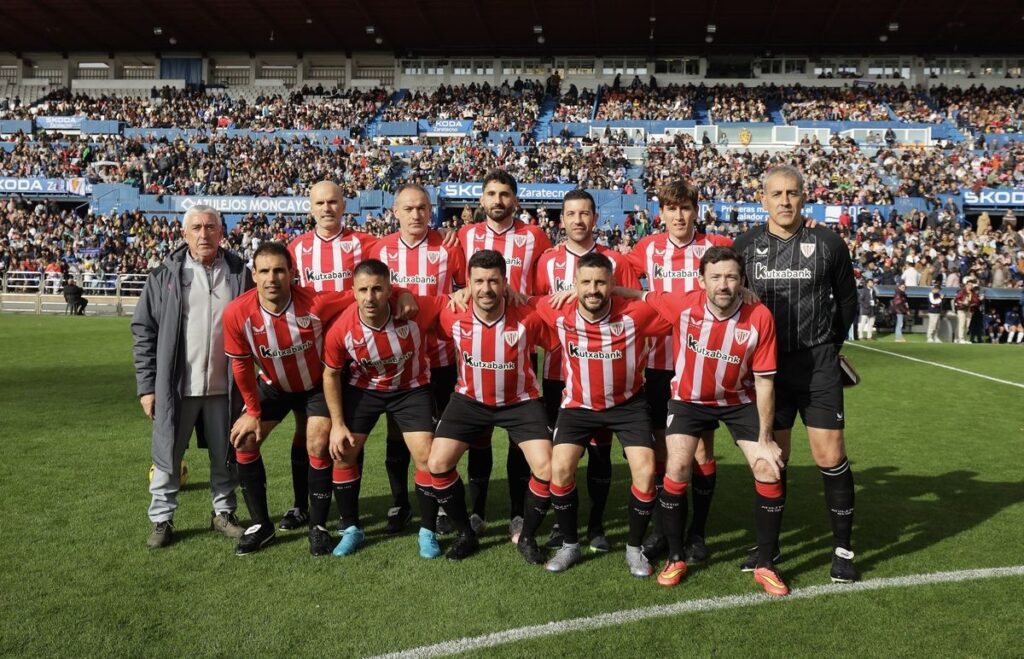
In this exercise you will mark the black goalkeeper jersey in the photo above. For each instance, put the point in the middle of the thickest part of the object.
(806, 281)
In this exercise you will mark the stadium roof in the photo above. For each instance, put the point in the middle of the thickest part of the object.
(508, 27)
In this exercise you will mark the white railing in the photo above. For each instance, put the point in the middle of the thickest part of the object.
(38, 293)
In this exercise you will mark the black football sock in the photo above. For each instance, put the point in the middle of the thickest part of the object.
(300, 469)
(566, 503)
(252, 476)
(599, 484)
(538, 500)
(641, 504)
(672, 511)
(319, 479)
(839, 497)
(346, 492)
(518, 470)
(451, 496)
(659, 484)
(427, 500)
(396, 463)
(479, 466)
(702, 484)
(769, 503)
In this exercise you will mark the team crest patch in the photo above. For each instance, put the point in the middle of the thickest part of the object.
(519, 240)
(402, 331)
(512, 338)
(699, 251)
(741, 335)
(303, 321)
(616, 328)
(433, 257)
(807, 249)
(347, 247)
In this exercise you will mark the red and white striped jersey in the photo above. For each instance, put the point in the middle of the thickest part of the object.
(426, 268)
(670, 268)
(521, 244)
(556, 272)
(494, 358)
(286, 345)
(604, 359)
(326, 264)
(716, 359)
(391, 357)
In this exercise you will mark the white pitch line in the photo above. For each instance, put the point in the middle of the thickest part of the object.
(709, 604)
(946, 366)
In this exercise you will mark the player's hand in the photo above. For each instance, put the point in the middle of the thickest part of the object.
(246, 425)
(515, 298)
(148, 402)
(749, 296)
(341, 438)
(770, 452)
(406, 307)
(459, 300)
(451, 237)
(558, 300)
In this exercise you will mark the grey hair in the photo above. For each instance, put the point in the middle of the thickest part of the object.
(201, 209)
(783, 170)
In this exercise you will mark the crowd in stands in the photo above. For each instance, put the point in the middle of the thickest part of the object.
(575, 106)
(739, 103)
(512, 107)
(994, 110)
(647, 102)
(833, 104)
(210, 109)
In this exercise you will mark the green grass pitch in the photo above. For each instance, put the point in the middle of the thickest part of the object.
(938, 460)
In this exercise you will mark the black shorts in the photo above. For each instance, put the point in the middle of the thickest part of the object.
(630, 421)
(276, 404)
(466, 420)
(442, 384)
(658, 383)
(552, 390)
(692, 419)
(809, 382)
(412, 409)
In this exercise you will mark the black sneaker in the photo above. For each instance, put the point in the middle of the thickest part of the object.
(320, 541)
(296, 518)
(842, 566)
(655, 545)
(529, 550)
(464, 546)
(444, 524)
(398, 517)
(696, 550)
(255, 538)
(556, 539)
(750, 564)
(161, 535)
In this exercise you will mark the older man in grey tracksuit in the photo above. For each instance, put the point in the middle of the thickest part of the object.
(182, 374)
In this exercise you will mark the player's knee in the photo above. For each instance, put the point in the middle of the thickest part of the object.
(562, 473)
(763, 472)
(439, 464)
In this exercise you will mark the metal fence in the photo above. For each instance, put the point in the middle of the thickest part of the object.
(109, 294)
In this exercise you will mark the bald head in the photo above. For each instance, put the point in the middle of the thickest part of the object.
(327, 205)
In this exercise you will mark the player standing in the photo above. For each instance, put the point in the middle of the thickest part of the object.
(497, 386)
(604, 340)
(671, 261)
(323, 260)
(556, 273)
(521, 244)
(724, 356)
(805, 278)
(420, 261)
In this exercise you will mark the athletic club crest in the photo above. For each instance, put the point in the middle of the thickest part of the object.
(807, 249)
(741, 335)
(302, 321)
(402, 331)
(512, 338)
(519, 240)
(698, 251)
(616, 328)
(433, 257)
(347, 247)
